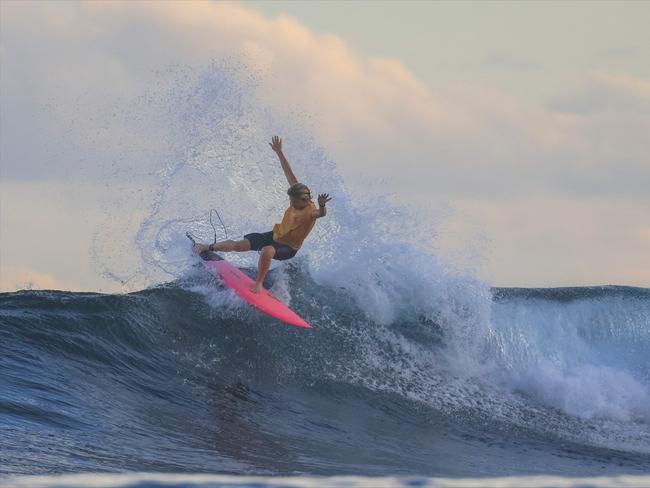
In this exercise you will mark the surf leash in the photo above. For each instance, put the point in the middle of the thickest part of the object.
(222, 224)
(194, 238)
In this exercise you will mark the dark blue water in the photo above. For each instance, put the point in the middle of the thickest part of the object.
(168, 379)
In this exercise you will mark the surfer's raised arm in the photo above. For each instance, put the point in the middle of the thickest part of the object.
(276, 145)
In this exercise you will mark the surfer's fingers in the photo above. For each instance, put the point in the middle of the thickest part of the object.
(276, 143)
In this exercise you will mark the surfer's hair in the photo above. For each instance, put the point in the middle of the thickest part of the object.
(299, 190)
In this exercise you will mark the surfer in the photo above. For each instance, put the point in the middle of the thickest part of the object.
(286, 238)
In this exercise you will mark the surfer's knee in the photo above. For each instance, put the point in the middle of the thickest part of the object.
(268, 252)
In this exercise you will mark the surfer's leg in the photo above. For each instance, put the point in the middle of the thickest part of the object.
(230, 246)
(224, 246)
(263, 266)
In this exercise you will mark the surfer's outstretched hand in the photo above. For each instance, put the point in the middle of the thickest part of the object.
(323, 198)
(276, 144)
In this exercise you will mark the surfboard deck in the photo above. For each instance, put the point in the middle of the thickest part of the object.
(237, 281)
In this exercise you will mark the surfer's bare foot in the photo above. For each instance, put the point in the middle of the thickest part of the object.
(257, 287)
(200, 248)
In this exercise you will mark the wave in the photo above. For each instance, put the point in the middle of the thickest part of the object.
(186, 377)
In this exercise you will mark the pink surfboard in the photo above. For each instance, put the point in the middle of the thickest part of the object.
(234, 279)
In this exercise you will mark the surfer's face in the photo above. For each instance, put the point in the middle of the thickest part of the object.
(299, 202)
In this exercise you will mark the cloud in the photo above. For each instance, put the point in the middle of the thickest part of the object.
(21, 278)
(560, 241)
(619, 52)
(66, 64)
(605, 92)
(46, 229)
(66, 67)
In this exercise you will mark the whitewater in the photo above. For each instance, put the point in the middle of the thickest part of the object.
(414, 368)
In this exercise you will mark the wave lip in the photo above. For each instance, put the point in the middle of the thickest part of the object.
(583, 351)
(588, 391)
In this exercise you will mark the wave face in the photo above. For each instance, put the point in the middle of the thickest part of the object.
(184, 377)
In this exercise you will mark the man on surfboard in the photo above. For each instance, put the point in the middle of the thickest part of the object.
(287, 237)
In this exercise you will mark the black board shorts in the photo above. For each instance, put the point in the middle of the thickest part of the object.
(258, 241)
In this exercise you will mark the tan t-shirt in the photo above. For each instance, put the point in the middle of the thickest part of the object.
(295, 226)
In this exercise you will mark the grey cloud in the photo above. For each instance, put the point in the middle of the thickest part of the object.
(618, 52)
(602, 94)
(510, 61)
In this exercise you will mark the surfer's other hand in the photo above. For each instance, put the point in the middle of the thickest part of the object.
(276, 144)
(323, 198)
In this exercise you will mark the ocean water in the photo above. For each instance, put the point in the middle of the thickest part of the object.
(416, 372)
(167, 380)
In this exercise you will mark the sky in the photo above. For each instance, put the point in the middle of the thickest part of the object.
(519, 129)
